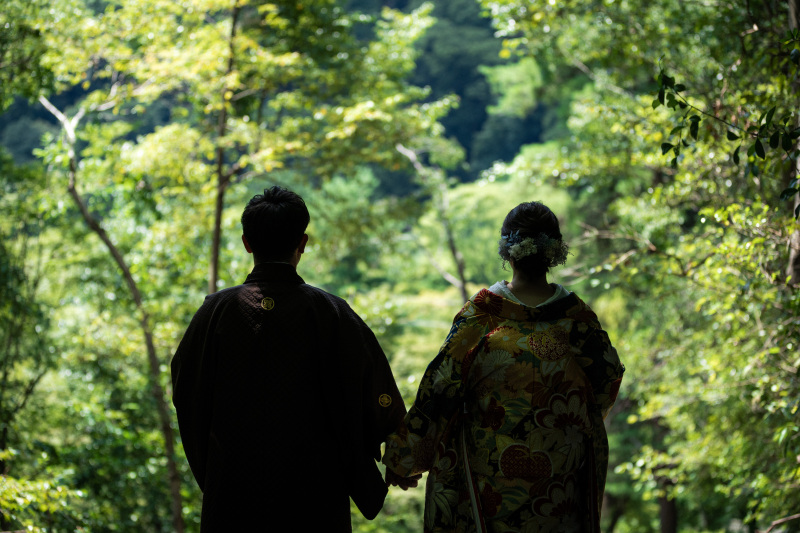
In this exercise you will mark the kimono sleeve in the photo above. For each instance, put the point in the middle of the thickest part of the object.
(192, 391)
(411, 449)
(364, 399)
(383, 405)
(602, 365)
(370, 387)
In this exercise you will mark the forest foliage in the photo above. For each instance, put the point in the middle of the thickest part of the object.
(664, 134)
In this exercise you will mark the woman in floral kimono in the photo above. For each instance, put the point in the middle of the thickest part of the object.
(508, 418)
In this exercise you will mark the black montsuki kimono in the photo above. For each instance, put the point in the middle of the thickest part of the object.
(283, 397)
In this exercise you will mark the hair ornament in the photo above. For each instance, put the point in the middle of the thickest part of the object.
(515, 246)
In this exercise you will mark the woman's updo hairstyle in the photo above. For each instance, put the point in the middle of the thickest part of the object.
(531, 237)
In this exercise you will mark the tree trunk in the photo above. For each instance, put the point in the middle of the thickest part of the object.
(156, 390)
(793, 268)
(223, 177)
(155, 373)
(668, 514)
(216, 237)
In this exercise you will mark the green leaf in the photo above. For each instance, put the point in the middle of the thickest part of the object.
(680, 87)
(675, 130)
(794, 55)
(656, 103)
(666, 147)
(693, 129)
(667, 81)
(797, 215)
(770, 114)
(775, 139)
(661, 95)
(786, 142)
(788, 193)
(732, 136)
(736, 155)
(674, 162)
(695, 118)
(760, 152)
(795, 133)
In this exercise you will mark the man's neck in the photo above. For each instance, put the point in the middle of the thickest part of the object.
(290, 262)
(293, 259)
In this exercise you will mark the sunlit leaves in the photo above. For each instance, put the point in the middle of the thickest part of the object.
(23, 67)
(690, 128)
(760, 134)
(25, 501)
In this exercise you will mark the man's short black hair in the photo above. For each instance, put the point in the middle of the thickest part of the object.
(274, 223)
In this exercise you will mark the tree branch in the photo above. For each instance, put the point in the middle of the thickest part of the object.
(782, 521)
(427, 175)
(223, 178)
(156, 389)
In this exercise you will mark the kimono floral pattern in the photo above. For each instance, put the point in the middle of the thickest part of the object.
(527, 390)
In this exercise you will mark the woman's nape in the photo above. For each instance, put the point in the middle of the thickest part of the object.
(531, 291)
(531, 243)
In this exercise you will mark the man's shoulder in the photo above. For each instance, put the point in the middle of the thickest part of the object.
(224, 294)
(323, 297)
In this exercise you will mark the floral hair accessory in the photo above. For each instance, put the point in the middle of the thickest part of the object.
(515, 246)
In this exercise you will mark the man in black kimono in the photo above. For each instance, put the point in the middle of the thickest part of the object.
(282, 392)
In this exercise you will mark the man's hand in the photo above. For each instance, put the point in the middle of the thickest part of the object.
(404, 483)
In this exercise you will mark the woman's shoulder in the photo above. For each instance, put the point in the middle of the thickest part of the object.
(580, 311)
(483, 302)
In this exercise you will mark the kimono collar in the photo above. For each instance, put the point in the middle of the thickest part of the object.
(274, 273)
(493, 304)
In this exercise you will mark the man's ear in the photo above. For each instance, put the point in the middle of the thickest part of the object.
(246, 244)
(303, 243)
